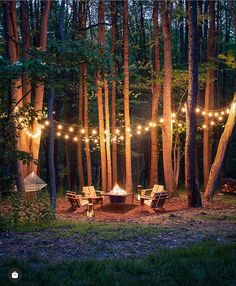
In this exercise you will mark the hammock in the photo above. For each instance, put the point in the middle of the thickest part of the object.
(33, 183)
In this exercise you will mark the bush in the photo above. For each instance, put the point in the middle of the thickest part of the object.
(17, 210)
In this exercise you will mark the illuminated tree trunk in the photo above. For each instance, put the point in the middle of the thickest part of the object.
(167, 113)
(113, 93)
(100, 102)
(26, 44)
(209, 96)
(108, 137)
(153, 179)
(193, 194)
(39, 90)
(177, 158)
(80, 155)
(128, 164)
(220, 154)
(86, 127)
(26, 85)
(12, 49)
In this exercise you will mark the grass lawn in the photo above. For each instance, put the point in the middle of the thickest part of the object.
(207, 263)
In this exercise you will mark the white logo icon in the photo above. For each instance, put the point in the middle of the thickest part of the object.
(14, 275)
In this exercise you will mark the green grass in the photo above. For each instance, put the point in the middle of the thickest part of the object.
(61, 228)
(203, 264)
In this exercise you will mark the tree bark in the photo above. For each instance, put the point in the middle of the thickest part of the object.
(167, 112)
(128, 163)
(12, 50)
(108, 137)
(153, 179)
(86, 127)
(220, 154)
(51, 162)
(39, 91)
(80, 155)
(193, 194)
(61, 20)
(209, 96)
(100, 102)
(181, 34)
(113, 92)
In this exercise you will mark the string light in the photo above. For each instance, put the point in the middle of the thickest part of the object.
(59, 127)
(75, 139)
(71, 129)
(82, 131)
(58, 134)
(94, 131)
(66, 137)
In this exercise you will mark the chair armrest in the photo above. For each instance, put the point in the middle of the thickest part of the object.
(99, 193)
(144, 191)
(145, 197)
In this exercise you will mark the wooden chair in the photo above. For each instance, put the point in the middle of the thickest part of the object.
(93, 196)
(156, 199)
(75, 200)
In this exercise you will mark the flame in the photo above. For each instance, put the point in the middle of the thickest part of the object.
(117, 190)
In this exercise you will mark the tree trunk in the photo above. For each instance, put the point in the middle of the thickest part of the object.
(113, 92)
(209, 96)
(128, 164)
(220, 154)
(100, 101)
(193, 194)
(12, 50)
(186, 32)
(80, 155)
(51, 163)
(26, 44)
(181, 34)
(108, 138)
(167, 113)
(39, 90)
(86, 127)
(153, 179)
(177, 158)
(62, 20)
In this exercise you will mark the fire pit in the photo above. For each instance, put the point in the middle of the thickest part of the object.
(117, 195)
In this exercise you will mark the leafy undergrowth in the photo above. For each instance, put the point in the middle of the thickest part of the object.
(203, 264)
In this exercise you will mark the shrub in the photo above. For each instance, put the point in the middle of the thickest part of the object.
(17, 210)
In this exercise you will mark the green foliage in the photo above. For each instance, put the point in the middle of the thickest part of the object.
(229, 59)
(20, 211)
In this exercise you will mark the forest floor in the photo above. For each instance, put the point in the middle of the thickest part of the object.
(127, 247)
(119, 233)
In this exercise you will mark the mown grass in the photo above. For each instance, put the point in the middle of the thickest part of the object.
(61, 228)
(204, 264)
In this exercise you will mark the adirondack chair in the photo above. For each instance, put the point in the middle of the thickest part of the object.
(156, 199)
(75, 200)
(92, 195)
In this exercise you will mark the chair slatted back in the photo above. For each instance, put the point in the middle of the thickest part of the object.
(159, 200)
(71, 196)
(89, 192)
(156, 189)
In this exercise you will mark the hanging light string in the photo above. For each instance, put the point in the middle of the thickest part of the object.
(76, 131)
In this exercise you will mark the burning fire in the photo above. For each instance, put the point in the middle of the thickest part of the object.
(117, 191)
